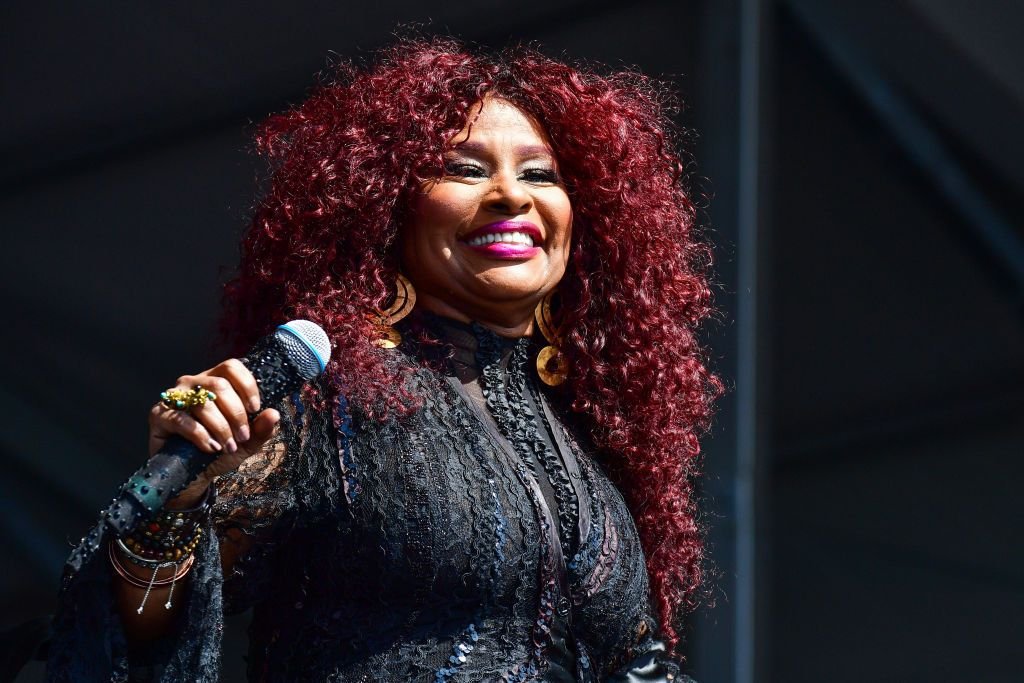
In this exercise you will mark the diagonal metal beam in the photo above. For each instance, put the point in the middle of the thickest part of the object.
(919, 140)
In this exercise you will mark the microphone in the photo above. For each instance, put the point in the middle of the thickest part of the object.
(282, 362)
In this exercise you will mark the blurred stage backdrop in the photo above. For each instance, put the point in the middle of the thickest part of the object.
(861, 165)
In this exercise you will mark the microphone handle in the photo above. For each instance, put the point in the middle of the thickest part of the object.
(179, 462)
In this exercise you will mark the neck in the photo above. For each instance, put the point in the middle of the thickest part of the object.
(513, 324)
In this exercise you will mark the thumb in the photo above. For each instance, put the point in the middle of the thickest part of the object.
(262, 428)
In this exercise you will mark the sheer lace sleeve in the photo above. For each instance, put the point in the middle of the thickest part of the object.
(253, 516)
(291, 483)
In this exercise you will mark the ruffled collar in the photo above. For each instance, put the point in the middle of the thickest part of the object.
(460, 345)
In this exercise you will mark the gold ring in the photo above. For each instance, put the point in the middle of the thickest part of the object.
(178, 399)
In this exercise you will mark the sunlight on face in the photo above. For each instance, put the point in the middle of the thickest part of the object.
(492, 235)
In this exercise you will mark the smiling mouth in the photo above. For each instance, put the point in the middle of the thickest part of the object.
(505, 240)
(512, 238)
(523, 234)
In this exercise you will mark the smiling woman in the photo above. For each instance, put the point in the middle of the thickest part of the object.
(490, 238)
(494, 478)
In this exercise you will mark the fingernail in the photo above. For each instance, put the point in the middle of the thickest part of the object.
(243, 433)
(254, 405)
(214, 445)
(231, 446)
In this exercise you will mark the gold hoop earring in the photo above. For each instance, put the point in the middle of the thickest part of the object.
(552, 367)
(405, 299)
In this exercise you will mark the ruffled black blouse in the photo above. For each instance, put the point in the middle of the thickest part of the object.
(471, 540)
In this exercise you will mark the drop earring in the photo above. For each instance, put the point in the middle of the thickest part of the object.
(552, 367)
(405, 299)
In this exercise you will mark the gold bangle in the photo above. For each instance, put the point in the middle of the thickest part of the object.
(184, 568)
(179, 573)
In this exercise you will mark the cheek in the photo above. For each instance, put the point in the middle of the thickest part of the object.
(442, 211)
(559, 216)
(427, 243)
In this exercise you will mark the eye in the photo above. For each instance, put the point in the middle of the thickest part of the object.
(540, 175)
(461, 169)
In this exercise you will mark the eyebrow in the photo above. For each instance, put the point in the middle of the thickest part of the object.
(521, 150)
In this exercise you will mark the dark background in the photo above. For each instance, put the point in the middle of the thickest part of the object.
(860, 165)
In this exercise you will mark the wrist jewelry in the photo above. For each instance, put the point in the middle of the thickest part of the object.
(171, 534)
(168, 540)
(181, 568)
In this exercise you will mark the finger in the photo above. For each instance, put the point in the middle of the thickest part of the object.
(229, 403)
(263, 428)
(211, 417)
(165, 422)
(242, 380)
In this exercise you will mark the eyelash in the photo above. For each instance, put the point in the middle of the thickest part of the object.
(539, 175)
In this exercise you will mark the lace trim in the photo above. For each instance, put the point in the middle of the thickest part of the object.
(507, 403)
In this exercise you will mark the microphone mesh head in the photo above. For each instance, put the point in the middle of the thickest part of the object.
(306, 345)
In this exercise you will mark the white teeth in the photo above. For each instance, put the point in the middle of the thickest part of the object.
(504, 237)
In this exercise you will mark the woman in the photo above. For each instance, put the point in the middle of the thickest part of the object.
(493, 479)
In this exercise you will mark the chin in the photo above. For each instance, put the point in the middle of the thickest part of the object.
(508, 285)
(502, 292)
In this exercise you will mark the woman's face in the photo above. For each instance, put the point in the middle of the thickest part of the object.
(491, 237)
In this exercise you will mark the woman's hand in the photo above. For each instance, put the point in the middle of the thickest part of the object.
(218, 426)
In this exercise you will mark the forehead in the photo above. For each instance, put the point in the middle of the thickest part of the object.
(495, 121)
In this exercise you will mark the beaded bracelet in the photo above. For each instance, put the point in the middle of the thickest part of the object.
(168, 540)
(172, 534)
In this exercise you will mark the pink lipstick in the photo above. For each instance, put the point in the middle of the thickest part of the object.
(505, 240)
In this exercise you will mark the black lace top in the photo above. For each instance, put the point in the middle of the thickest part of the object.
(471, 540)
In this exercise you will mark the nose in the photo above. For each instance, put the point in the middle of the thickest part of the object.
(509, 196)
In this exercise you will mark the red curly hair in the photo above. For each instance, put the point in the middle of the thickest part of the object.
(345, 167)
